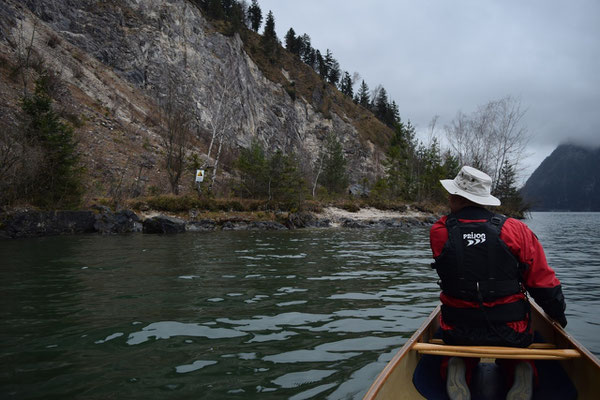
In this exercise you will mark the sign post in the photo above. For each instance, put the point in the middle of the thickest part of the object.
(199, 175)
(199, 180)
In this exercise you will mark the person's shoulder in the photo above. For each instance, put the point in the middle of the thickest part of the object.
(439, 224)
(516, 228)
(515, 223)
(442, 220)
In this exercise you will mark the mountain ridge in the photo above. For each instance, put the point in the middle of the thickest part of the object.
(567, 180)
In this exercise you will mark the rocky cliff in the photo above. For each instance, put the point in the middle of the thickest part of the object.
(116, 59)
(567, 180)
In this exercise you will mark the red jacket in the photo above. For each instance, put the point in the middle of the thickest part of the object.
(537, 277)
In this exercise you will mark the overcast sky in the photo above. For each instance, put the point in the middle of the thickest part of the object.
(439, 57)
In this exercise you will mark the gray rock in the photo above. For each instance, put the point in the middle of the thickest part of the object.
(23, 224)
(350, 223)
(205, 225)
(304, 219)
(267, 226)
(124, 221)
(392, 223)
(235, 225)
(163, 224)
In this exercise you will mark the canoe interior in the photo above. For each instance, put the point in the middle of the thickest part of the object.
(395, 381)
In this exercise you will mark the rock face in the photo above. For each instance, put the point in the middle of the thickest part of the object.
(117, 52)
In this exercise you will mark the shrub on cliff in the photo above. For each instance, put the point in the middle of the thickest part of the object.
(52, 173)
(274, 177)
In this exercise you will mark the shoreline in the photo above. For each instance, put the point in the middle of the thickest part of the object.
(369, 214)
(102, 220)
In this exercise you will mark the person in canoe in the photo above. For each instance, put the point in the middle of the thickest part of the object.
(487, 263)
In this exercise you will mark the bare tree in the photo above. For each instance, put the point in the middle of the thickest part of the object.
(175, 129)
(221, 102)
(431, 127)
(11, 151)
(490, 136)
(318, 172)
(24, 53)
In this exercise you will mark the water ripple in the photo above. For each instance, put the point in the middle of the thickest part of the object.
(168, 329)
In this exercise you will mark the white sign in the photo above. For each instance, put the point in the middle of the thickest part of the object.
(199, 175)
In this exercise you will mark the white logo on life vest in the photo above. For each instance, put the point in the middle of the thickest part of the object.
(474, 238)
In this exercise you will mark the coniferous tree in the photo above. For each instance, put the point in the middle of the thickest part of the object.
(236, 16)
(255, 16)
(395, 112)
(201, 4)
(362, 97)
(335, 177)
(286, 183)
(506, 187)
(269, 38)
(327, 64)
(300, 45)
(451, 165)
(320, 64)
(215, 9)
(292, 43)
(254, 170)
(334, 72)
(227, 6)
(400, 157)
(429, 170)
(276, 177)
(307, 53)
(346, 85)
(57, 182)
(381, 104)
(310, 57)
(269, 31)
(506, 190)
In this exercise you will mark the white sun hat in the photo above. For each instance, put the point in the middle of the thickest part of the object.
(473, 185)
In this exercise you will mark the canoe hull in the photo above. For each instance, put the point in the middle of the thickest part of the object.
(396, 380)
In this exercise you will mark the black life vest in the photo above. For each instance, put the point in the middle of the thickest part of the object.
(477, 266)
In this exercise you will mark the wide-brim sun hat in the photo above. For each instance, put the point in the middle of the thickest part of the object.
(472, 184)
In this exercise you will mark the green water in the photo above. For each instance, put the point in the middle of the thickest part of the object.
(225, 315)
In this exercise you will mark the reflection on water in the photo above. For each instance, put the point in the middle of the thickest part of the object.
(301, 314)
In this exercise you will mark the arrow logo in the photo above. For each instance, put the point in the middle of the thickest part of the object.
(474, 242)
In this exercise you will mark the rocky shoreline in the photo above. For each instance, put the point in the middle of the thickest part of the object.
(102, 220)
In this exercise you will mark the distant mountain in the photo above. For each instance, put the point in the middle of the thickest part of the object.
(568, 179)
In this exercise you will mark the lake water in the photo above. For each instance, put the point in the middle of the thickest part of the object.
(305, 314)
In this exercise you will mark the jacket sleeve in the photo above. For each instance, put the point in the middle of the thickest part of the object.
(438, 235)
(540, 280)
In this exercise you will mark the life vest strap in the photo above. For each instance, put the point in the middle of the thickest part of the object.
(489, 289)
(501, 313)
